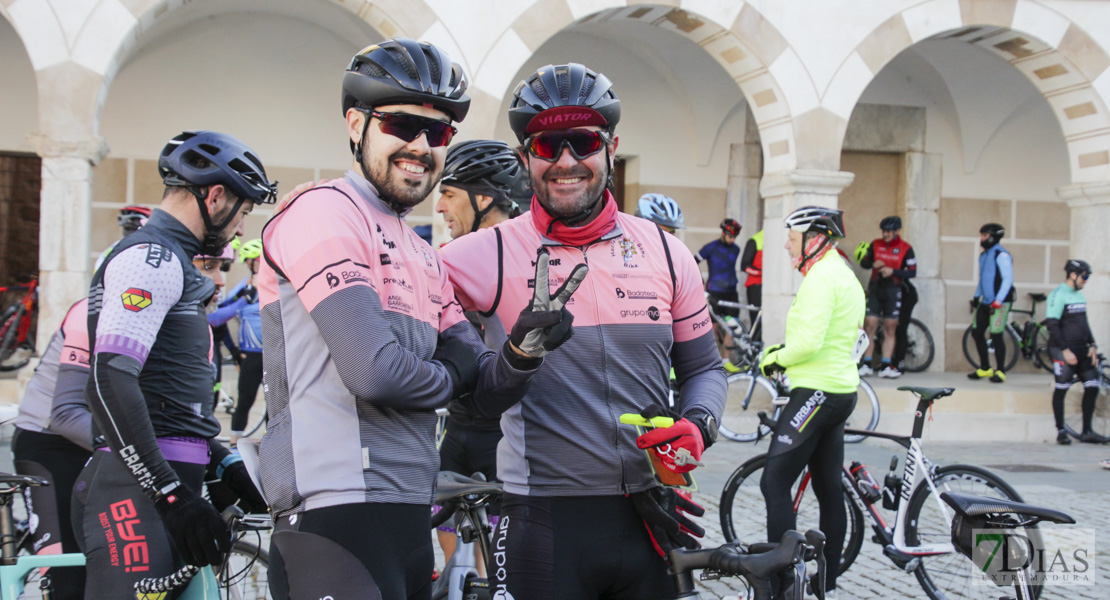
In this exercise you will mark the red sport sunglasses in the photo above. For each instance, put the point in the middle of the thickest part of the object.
(409, 127)
(582, 143)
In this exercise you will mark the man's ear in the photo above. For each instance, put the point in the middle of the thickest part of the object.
(483, 201)
(355, 119)
(215, 192)
(613, 150)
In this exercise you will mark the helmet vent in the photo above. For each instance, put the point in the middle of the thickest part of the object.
(541, 91)
(587, 85)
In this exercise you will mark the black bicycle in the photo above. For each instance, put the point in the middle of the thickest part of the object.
(1029, 339)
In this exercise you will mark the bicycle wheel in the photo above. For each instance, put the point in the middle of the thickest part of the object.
(245, 574)
(13, 353)
(1009, 339)
(747, 396)
(919, 347)
(1039, 347)
(866, 413)
(1073, 408)
(951, 576)
(742, 521)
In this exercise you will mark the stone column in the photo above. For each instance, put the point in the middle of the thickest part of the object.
(64, 223)
(920, 197)
(1090, 214)
(782, 193)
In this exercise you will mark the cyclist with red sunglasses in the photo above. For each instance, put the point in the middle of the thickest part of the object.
(578, 484)
(363, 340)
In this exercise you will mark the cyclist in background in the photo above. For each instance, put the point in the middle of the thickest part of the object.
(150, 388)
(479, 177)
(578, 485)
(53, 440)
(893, 263)
(1072, 347)
(721, 255)
(363, 340)
(751, 262)
(476, 189)
(661, 210)
(130, 219)
(243, 298)
(992, 301)
(821, 330)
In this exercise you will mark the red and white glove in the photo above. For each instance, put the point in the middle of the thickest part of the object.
(667, 443)
(996, 305)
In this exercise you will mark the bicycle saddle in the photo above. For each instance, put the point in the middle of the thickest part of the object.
(967, 505)
(1037, 297)
(16, 480)
(452, 485)
(928, 394)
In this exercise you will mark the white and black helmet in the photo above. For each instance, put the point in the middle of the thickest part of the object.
(661, 210)
(819, 219)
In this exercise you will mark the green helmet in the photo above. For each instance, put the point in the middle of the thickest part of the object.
(251, 249)
(861, 251)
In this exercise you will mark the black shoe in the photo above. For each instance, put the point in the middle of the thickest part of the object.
(998, 377)
(1062, 438)
(1091, 437)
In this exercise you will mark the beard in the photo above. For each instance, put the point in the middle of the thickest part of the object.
(393, 187)
(214, 241)
(568, 207)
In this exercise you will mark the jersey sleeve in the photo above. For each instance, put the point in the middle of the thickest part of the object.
(69, 413)
(909, 265)
(1005, 264)
(869, 257)
(140, 285)
(474, 282)
(322, 234)
(747, 260)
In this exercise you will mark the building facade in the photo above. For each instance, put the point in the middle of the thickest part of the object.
(950, 113)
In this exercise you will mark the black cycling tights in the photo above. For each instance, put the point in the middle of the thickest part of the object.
(1065, 374)
(979, 333)
(354, 552)
(810, 433)
(585, 548)
(250, 375)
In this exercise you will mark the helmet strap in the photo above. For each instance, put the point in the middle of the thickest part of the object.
(479, 213)
(210, 243)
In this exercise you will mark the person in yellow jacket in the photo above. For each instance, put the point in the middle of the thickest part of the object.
(822, 336)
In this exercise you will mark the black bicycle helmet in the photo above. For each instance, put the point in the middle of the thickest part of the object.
(1075, 265)
(731, 227)
(198, 159)
(892, 223)
(828, 221)
(487, 168)
(661, 210)
(995, 234)
(561, 97)
(404, 71)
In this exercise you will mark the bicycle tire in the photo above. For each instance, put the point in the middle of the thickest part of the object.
(13, 355)
(246, 574)
(740, 423)
(1011, 340)
(1039, 348)
(1073, 408)
(740, 523)
(949, 576)
(920, 349)
(866, 413)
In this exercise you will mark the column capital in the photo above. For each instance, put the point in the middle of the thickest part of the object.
(805, 182)
(91, 149)
(1085, 194)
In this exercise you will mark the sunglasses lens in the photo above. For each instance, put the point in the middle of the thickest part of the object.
(409, 127)
(582, 144)
(1086, 276)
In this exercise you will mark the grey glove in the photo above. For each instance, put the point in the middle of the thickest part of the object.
(545, 323)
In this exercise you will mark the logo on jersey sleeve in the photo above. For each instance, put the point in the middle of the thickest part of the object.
(157, 254)
(135, 299)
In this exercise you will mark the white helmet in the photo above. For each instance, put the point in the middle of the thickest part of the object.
(661, 210)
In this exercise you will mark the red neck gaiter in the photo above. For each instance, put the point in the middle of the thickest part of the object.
(554, 229)
(813, 251)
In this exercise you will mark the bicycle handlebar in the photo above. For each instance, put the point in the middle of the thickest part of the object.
(232, 515)
(757, 568)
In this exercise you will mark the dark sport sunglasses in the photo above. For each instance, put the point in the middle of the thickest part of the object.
(409, 127)
(582, 143)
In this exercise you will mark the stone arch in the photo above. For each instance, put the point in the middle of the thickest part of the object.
(738, 37)
(1062, 61)
(19, 95)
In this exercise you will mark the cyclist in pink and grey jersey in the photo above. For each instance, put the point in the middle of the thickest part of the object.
(363, 339)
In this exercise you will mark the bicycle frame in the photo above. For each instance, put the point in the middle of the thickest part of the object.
(914, 473)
